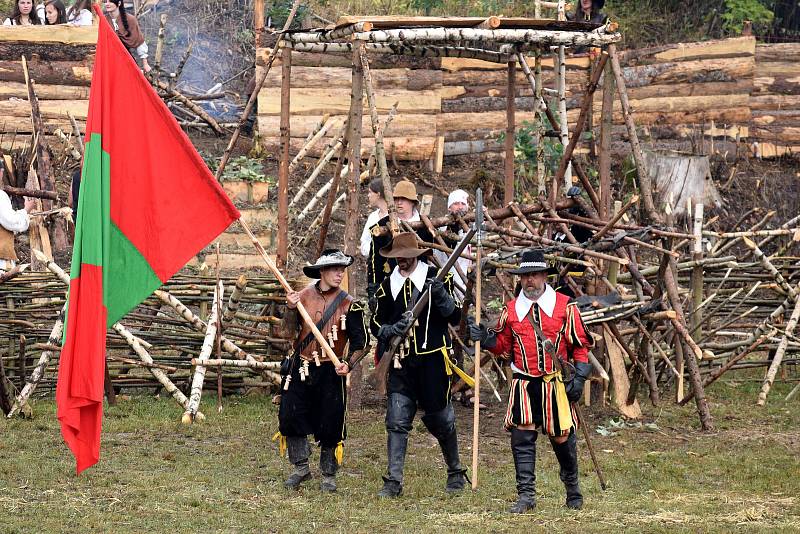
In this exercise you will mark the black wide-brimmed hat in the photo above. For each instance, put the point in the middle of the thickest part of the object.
(330, 258)
(533, 262)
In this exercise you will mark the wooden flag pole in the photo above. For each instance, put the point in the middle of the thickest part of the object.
(323, 343)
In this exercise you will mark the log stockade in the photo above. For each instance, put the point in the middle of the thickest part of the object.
(673, 306)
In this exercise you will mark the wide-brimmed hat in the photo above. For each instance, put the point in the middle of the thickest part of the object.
(405, 189)
(533, 262)
(403, 245)
(330, 258)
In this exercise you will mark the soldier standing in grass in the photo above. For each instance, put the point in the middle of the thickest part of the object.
(314, 393)
(420, 375)
(538, 322)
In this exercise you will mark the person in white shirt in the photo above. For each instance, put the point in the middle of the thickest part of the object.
(24, 14)
(378, 201)
(80, 14)
(457, 204)
(11, 221)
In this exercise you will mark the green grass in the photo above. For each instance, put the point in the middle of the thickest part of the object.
(225, 476)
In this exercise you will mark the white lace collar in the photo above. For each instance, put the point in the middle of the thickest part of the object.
(547, 302)
(418, 276)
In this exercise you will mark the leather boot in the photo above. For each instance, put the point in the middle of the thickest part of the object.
(400, 412)
(328, 467)
(567, 454)
(523, 447)
(298, 450)
(442, 425)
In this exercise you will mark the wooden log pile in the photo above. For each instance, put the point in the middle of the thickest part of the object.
(457, 105)
(775, 100)
(154, 345)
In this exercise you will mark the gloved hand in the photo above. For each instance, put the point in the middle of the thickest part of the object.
(440, 298)
(388, 331)
(575, 386)
(479, 332)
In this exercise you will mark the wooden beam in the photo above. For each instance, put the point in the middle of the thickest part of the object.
(283, 169)
(510, 140)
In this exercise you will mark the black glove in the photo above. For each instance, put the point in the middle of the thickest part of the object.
(388, 331)
(575, 386)
(441, 298)
(479, 332)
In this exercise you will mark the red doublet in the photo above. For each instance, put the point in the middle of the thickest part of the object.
(565, 329)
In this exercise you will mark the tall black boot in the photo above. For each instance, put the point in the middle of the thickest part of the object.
(298, 451)
(523, 447)
(567, 454)
(328, 466)
(400, 412)
(442, 425)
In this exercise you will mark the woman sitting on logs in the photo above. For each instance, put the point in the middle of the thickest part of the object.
(127, 28)
(80, 14)
(23, 15)
(55, 12)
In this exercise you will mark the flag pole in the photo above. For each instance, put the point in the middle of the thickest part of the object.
(323, 343)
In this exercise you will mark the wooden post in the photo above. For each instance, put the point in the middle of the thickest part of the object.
(351, 227)
(508, 190)
(283, 169)
(645, 184)
(606, 133)
(258, 20)
(380, 153)
(697, 273)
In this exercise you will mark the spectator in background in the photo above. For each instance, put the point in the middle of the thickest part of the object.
(23, 14)
(11, 221)
(54, 12)
(589, 11)
(376, 200)
(457, 204)
(127, 28)
(80, 14)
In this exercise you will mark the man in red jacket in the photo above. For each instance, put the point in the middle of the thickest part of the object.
(540, 399)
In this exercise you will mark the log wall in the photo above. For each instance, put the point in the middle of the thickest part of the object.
(775, 100)
(724, 89)
(60, 61)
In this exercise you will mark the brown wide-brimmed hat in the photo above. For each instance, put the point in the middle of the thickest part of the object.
(405, 189)
(403, 245)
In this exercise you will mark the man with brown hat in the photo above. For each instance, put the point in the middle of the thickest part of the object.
(314, 394)
(538, 323)
(11, 221)
(420, 374)
(378, 266)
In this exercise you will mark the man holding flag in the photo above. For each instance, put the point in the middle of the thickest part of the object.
(139, 221)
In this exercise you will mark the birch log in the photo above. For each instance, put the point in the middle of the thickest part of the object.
(162, 378)
(776, 360)
(233, 302)
(200, 370)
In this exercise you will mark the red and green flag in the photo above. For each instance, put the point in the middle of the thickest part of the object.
(147, 204)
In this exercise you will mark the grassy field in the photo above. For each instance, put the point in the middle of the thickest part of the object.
(225, 476)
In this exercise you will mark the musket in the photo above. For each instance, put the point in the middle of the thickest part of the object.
(377, 379)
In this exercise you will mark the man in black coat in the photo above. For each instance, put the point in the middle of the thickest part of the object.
(420, 373)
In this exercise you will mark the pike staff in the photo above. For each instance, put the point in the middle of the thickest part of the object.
(476, 413)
